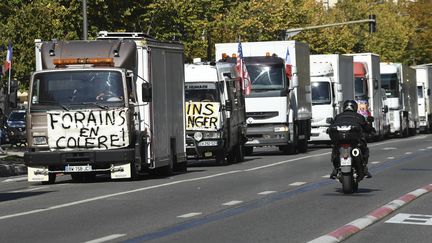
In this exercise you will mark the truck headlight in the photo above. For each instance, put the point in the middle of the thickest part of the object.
(280, 129)
(211, 135)
(198, 136)
(39, 140)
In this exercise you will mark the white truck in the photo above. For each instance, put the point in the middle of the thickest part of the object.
(113, 105)
(424, 86)
(368, 92)
(279, 109)
(332, 81)
(215, 112)
(399, 83)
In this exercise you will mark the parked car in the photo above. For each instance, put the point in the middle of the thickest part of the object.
(16, 128)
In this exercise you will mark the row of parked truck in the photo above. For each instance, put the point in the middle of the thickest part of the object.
(126, 104)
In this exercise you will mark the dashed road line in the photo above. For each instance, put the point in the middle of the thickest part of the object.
(266, 192)
(375, 162)
(326, 176)
(30, 189)
(422, 149)
(389, 148)
(189, 215)
(298, 183)
(17, 179)
(106, 238)
(408, 153)
(232, 203)
(391, 157)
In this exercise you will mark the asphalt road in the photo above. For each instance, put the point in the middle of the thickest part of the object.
(268, 198)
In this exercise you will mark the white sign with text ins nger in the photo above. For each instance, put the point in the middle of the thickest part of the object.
(204, 116)
(90, 129)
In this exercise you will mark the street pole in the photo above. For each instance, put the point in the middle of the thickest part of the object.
(85, 20)
(291, 32)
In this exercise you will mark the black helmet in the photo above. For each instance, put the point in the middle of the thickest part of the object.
(350, 105)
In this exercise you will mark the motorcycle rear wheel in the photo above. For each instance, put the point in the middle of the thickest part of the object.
(348, 184)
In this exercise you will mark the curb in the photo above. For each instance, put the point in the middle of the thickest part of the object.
(357, 225)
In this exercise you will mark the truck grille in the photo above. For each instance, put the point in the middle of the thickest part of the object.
(262, 115)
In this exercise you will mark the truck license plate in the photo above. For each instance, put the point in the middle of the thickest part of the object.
(345, 162)
(78, 168)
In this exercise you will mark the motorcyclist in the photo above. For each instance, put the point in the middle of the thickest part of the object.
(349, 116)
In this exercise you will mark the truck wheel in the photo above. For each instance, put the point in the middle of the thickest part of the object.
(248, 151)
(51, 179)
(302, 146)
(288, 149)
(240, 153)
(220, 158)
(181, 167)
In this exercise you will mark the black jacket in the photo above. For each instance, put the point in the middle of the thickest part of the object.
(352, 118)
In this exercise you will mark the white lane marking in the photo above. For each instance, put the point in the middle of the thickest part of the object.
(30, 189)
(17, 179)
(395, 141)
(404, 218)
(286, 161)
(422, 149)
(430, 147)
(298, 183)
(375, 162)
(106, 238)
(326, 176)
(266, 192)
(231, 203)
(389, 148)
(189, 215)
(408, 153)
(391, 157)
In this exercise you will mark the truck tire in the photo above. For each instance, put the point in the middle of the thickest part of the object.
(240, 153)
(51, 179)
(302, 146)
(288, 149)
(220, 158)
(248, 151)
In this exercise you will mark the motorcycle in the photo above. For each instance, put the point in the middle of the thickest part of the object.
(352, 162)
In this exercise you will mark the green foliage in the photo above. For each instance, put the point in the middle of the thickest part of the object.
(403, 27)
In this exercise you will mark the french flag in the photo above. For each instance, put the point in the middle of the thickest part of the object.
(8, 62)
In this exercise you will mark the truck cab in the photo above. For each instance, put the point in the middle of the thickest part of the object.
(106, 106)
(215, 112)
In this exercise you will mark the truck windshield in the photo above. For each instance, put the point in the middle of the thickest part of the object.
(390, 83)
(77, 88)
(267, 77)
(198, 92)
(360, 88)
(321, 93)
(420, 92)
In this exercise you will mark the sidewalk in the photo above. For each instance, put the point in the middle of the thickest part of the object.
(12, 162)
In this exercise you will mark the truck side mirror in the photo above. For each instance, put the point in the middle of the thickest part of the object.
(428, 92)
(385, 109)
(228, 105)
(146, 92)
(329, 120)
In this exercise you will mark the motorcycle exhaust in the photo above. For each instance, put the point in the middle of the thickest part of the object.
(355, 152)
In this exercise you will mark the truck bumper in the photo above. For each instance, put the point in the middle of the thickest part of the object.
(319, 134)
(203, 149)
(117, 162)
(265, 135)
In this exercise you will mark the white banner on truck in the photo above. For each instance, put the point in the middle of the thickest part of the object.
(90, 129)
(203, 116)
